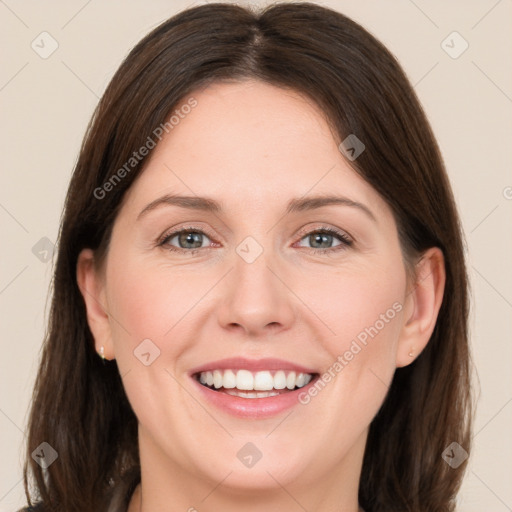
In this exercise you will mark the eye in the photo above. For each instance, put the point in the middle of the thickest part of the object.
(189, 240)
(321, 240)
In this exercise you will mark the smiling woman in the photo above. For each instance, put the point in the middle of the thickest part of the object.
(268, 309)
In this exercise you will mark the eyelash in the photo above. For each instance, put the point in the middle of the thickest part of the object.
(344, 239)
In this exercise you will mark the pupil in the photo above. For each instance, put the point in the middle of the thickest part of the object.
(192, 238)
(320, 236)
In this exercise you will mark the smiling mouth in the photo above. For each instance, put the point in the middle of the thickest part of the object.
(247, 384)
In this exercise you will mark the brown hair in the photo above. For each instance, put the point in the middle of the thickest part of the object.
(79, 405)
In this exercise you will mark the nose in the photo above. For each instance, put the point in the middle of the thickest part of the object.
(258, 300)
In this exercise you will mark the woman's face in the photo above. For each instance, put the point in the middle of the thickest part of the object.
(253, 290)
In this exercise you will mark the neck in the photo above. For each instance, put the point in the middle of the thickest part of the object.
(168, 486)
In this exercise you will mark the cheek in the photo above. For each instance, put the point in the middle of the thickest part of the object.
(363, 351)
(360, 305)
(150, 301)
(364, 311)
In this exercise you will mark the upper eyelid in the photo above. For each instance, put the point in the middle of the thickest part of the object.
(173, 232)
(325, 228)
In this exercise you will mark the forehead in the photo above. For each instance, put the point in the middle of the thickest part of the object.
(251, 143)
(252, 119)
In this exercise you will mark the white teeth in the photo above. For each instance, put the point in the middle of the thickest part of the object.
(300, 380)
(290, 380)
(262, 381)
(245, 394)
(229, 380)
(244, 380)
(217, 379)
(280, 380)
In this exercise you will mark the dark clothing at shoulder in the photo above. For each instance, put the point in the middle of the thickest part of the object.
(38, 507)
(119, 498)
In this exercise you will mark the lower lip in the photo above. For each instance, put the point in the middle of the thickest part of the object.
(253, 407)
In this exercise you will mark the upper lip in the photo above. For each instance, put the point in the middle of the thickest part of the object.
(241, 363)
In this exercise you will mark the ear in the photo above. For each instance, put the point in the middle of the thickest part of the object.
(92, 286)
(422, 306)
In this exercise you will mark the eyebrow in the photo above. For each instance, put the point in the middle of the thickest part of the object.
(295, 205)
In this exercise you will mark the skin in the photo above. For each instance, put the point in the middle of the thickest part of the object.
(253, 147)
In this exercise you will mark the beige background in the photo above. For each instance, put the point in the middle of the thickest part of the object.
(46, 104)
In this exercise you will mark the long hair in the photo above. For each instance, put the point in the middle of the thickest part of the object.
(79, 406)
